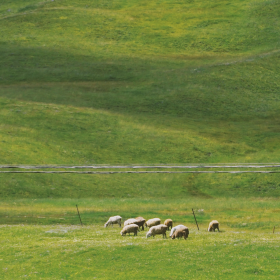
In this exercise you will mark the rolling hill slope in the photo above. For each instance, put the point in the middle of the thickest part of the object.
(94, 82)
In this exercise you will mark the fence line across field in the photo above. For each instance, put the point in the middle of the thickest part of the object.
(139, 172)
(196, 166)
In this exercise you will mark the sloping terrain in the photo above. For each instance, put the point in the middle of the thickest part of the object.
(102, 82)
(139, 82)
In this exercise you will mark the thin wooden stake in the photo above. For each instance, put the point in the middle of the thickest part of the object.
(195, 219)
(273, 229)
(79, 215)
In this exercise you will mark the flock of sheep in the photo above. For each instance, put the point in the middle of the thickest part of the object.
(155, 227)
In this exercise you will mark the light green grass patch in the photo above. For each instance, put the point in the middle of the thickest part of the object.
(74, 252)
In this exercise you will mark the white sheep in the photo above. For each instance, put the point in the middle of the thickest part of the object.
(129, 222)
(175, 228)
(130, 228)
(114, 220)
(152, 222)
(213, 226)
(159, 229)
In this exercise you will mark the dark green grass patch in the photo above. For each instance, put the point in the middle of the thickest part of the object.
(234, 213)
(208, 186)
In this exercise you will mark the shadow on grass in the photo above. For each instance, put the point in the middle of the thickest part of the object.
(137, 86)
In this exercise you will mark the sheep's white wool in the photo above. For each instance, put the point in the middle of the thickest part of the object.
(140, 219)
(129, 228)
(114, 220)
(159, 229)
(180, 233)
(175, 228)
(129, 222)
(153, 222)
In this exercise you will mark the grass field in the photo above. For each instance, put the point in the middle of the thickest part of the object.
(51, 244)
(72, 252)
(139, 82)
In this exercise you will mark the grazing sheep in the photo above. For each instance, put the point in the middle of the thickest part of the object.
(175, 228)
(114, 220)
(160, 229)
(213, 226)
(179, 233)
(152, 222)
(130, 228)
(140, 222)
(181, 228)
(129, 222)
(168, 223)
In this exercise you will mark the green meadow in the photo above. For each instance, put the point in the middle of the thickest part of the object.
(139, 82)
(44, 240)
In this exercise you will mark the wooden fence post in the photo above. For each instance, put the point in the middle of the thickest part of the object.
(195, 219)
(79, 215)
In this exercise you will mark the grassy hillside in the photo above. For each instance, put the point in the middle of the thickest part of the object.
(94, 82)
(139, 82)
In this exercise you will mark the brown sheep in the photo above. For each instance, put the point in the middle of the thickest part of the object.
(140, 222)
(168, 223)
(180, 233)
(181, 228)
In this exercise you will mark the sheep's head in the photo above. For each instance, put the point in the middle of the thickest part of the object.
(173, 236)
(122, 233)
(149, 234)
(106, 225)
